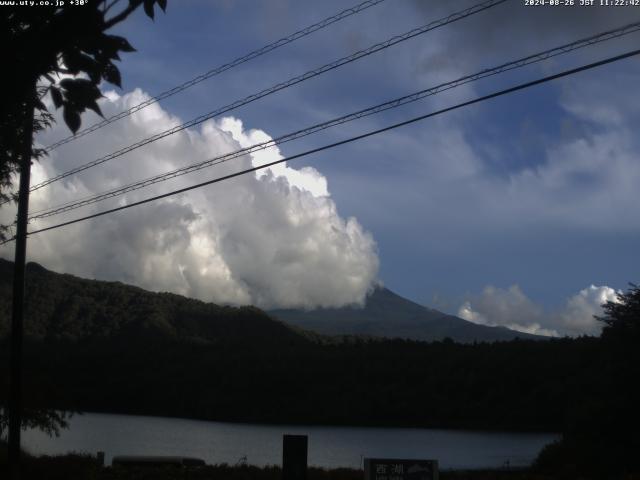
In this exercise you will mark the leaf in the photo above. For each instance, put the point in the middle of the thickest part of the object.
(77, 61)
(120, 43)
(56, 96)
(70, 64)
(86, 96)
(163, 5)
(71, 118)
(95, 107)
(80, 90)
(39, 105)
(112, 75)
(67, 83)
(148, 8)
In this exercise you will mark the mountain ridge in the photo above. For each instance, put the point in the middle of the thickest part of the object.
(59, 304)
(389, 315)
(109, 347)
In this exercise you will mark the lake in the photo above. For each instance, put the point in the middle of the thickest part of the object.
(218, 442)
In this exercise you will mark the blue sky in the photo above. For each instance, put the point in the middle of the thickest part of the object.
(529, 196)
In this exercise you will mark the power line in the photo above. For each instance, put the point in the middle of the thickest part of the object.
(300, 78)
(222, 68)
(519, 63)
(521, 86)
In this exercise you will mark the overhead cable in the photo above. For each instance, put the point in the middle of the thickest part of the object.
(220, 69)
(514, 64)
(280, 86)
(500, 93)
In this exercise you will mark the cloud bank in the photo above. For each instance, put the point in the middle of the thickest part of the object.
(511, 308)
(274, 239)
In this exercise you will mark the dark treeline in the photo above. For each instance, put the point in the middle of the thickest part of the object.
(99, 346)
(516, 385)
(106, 346)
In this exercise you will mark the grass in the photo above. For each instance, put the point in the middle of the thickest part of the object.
(85, 467)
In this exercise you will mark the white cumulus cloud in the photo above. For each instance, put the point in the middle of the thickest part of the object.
(274, 239)
(507, 308)
(511, 308)
(577, 317)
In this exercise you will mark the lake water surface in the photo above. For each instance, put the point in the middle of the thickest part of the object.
(217, 442)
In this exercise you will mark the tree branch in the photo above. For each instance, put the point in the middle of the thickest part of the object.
(121, 16)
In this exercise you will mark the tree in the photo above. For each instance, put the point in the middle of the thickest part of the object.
(47, 420)
(600, 438)
(38, 44)
(622, 318)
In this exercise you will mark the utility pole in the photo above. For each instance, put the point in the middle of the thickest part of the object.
(17, 313)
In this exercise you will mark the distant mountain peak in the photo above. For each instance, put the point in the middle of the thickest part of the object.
(65, 304)
(387, 314)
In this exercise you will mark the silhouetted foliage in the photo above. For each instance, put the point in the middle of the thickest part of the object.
(622, 318)
(40, 43)
(601, 438)
(49, 421)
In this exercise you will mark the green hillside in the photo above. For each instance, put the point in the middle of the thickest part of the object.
(61, 306)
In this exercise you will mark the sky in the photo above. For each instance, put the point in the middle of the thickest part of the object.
(519, 211)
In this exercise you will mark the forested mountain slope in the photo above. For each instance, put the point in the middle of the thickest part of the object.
(104, 346)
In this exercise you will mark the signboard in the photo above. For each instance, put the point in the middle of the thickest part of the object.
(294, 457)
(400, 469)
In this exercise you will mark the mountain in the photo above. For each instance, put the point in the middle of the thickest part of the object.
(108, 347)
(65, 306)
(62, 306)
(387, 314)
